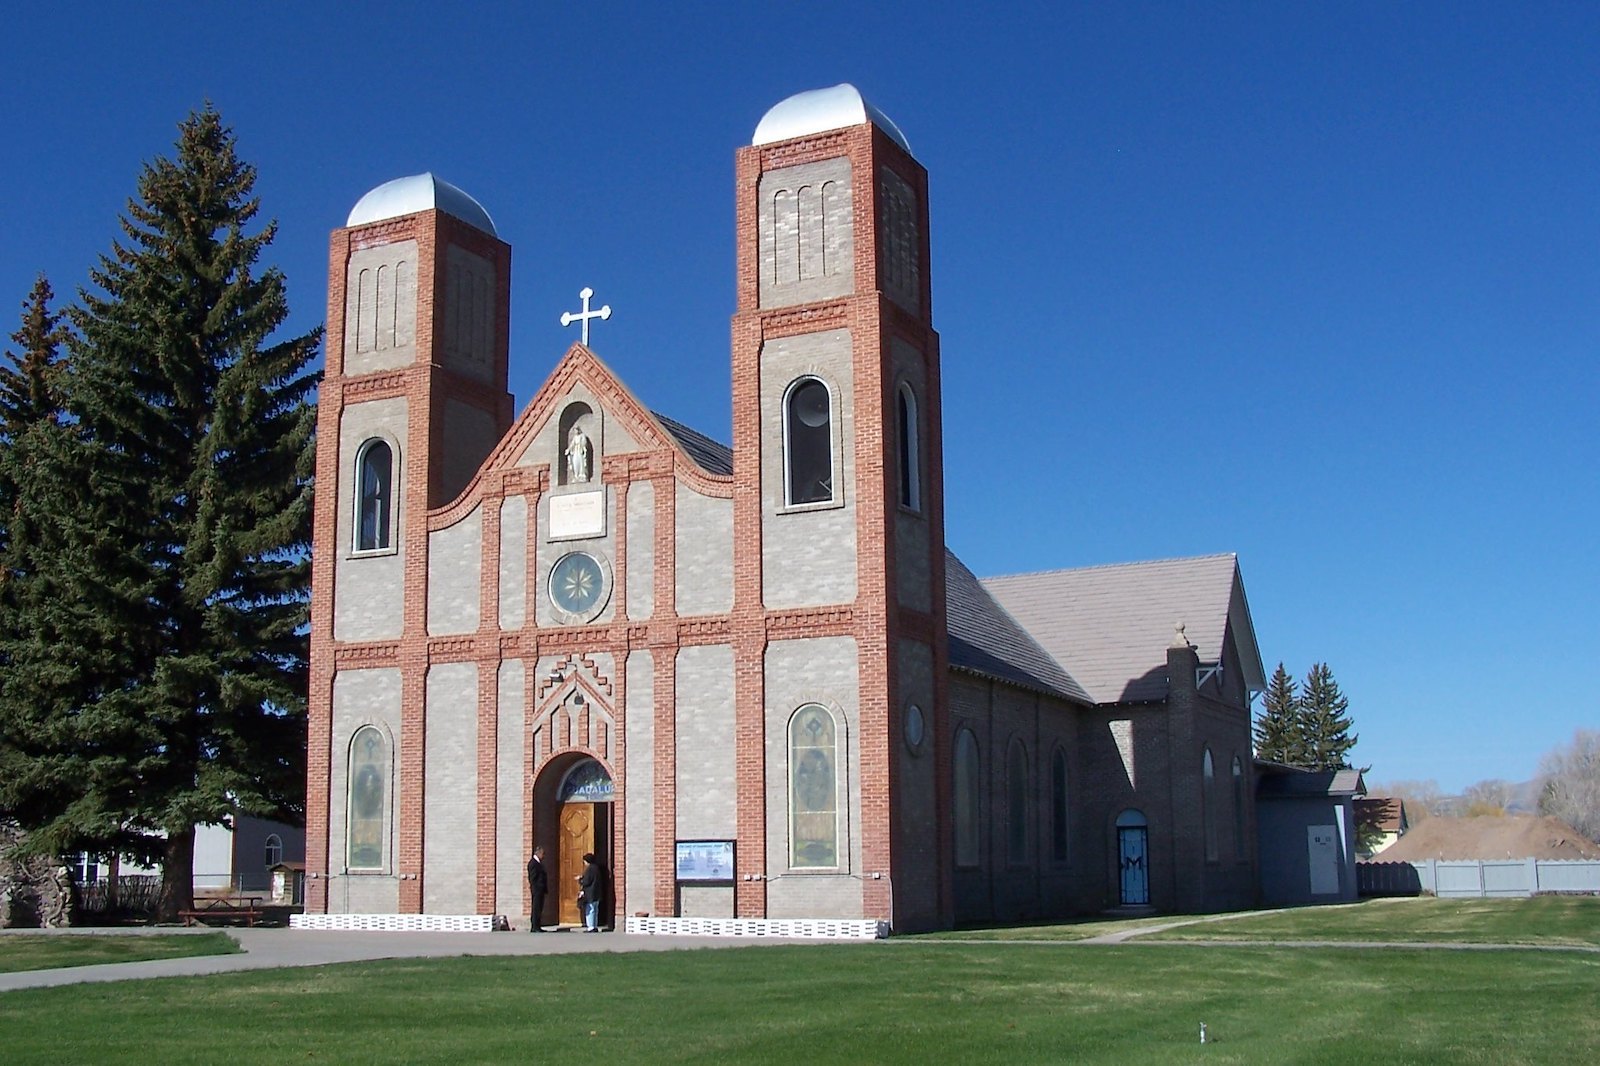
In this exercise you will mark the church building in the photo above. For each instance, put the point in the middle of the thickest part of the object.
(753, 681)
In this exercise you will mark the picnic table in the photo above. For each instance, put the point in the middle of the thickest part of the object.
(223, 909)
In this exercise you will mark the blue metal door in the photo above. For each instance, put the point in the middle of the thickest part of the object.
(1135, 871)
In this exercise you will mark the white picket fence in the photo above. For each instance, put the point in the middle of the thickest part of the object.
(1478, 878)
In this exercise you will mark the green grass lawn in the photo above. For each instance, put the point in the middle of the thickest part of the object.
(49, 951)
(899, 1001)
(1541, 920)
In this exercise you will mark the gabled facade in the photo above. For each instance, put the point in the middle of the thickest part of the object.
(735, 675)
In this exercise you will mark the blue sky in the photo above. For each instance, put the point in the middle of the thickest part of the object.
(1316, 284)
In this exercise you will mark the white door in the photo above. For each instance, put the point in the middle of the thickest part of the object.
(1322, 851)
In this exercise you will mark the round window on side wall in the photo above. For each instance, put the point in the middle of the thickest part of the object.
(916, 729)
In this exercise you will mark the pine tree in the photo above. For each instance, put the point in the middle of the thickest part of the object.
(169, 635)
(1277, 731)
(29, 397)
(1323, 721)
(30, 423)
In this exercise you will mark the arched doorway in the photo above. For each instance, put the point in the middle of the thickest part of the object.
(1133, 864)
(583, 824)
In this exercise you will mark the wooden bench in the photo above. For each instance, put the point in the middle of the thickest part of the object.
(244, 908)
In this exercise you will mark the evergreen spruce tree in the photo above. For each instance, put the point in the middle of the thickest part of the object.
(1277, 729)
(168, 634)
(29, 398)
(1324, 722)
(30, 420)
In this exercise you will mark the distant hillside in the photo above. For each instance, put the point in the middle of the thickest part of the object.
(1511, 836)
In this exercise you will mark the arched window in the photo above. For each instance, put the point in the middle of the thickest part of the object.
(1058, 806)
(1238, 809)
(813, 788)
(368, 801)
(808, 443)
(1017, 803)
(968, 794)
(274, 850)
(910, 470)
(1208, 804)
(374, 493)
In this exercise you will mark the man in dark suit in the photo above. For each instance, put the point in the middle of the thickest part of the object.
(538, 886)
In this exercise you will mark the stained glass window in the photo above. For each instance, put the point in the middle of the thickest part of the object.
(369, 798)
(1208, 805)
(1238, 809)
(1017, 803)
(1058, 806)
(967, 797)
(813, 789)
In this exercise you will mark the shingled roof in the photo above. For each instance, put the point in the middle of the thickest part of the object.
(709, 455)
(986, 640)
(1111, 625)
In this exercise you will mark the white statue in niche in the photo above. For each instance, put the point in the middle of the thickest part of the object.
(577, 456)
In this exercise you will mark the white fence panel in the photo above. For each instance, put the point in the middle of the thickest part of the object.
(1454, 880)
(1573, 875)
(1475, 878)
(1507, 878)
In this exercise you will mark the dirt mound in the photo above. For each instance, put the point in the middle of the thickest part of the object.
(1511, 836)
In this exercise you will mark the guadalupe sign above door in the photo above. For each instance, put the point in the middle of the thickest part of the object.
(587, 782)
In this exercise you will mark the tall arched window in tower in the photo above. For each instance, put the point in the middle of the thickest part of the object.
(374, 494)
(1208, 804)
(1238, 809)
(813, 788)
(968, 794)
(808, 443)
(1017, 805)
(367, 808)
(910, 471)
(1058, 806)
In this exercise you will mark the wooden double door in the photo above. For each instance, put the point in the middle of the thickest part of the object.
(585, 828)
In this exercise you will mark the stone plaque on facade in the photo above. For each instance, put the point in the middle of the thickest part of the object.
(578, 514)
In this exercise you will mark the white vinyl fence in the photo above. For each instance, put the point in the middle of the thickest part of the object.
(1477, 878)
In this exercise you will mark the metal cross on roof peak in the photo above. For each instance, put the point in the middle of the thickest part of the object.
(568, 318)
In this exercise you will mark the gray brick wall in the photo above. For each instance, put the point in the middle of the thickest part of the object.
(808, 554)
(513, 562)
(455, 561)
(369, 589)
(468, 328)
(362, 697)
(704, 553)
(450, 814)
(706, 743)
(823, 670)
(512, 838)
(469, 436)
(640, 725)
(807, 245)
(380, 330)
(641, 589)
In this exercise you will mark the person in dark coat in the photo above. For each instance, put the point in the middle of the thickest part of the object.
(538, 887)
(592, 883)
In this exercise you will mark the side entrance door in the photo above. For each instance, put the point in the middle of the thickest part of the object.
(1131, 841)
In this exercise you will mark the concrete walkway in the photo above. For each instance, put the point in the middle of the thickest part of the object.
(275, 948)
